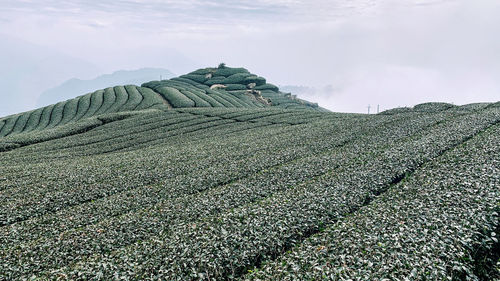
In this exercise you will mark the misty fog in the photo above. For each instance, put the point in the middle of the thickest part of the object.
(348, 54)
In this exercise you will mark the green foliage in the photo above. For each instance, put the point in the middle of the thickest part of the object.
(235, 87)
(252, 194)
(432, 106)
(56, 115)
(121, 97)
(96, 102)
(219, 97)
(70, 110)
(150, 99)
(175, 98)
(45, 118)
(33, 120)
(259, 81)
(83, 106)
(195, 77)
(238, 78)
(267, 86)
(9, 125)
(228, 71)
(215, 80)
(134, 98)
(203, 71)
(21, 122)
(198, 101)
(109, 99)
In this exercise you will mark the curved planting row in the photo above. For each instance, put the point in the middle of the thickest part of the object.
(224, 87)
(180, 94)
(109, 100)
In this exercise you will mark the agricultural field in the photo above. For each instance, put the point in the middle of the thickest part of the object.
(173, 180)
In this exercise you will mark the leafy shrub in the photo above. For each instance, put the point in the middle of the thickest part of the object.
(215, 80)
(56, 115)
(267, 86)
(198, 101)
(21, 122)
(134, 98)
(175, 98)
(9, 125)
(203, 71)
(259, 81)
(121, 98)
(238, 78)
(228, 71)
(235, 87)
(150, 99)
(109, 99)
(83, 106)
(34, 120)
(433, 106)
(195, 77)
(96, 101)
(45, 118)
(69, 111)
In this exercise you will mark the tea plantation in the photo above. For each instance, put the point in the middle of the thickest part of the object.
(183, 180)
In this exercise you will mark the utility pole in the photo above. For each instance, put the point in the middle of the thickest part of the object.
(160, 77)
(369, 109)
(378, 108)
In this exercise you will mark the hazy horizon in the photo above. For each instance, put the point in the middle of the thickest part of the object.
(357, 53)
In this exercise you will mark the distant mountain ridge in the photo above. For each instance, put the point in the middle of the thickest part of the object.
(75, 87)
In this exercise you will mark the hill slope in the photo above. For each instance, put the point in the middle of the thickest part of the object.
(182, 92)
(254, 193)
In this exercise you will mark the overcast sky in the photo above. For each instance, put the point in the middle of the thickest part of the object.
(387, 52)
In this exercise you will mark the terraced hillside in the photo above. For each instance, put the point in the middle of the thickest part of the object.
(228, 88)
(252, 193)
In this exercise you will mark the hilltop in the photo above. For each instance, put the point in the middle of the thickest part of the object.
(218, 175)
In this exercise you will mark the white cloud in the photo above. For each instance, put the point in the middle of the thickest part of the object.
(399, 52)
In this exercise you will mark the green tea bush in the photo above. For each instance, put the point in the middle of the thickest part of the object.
(433, 106)
(45, 118)
(228, 71)
(8, 146)
(9, 125)
(70, 110)
(96, 101)
(267, 86)
(56, 115)
(109, 98)
(396, 110)
(21, 122)
(259, 81)
(203, 95)
(220, 98)
(203, 71)
(215, 80)
(235, 87)
(134, 98)
(33, 121)
(150, 98)
(198, 101)
(120, 100)
(238, 78)
(83, 106)
(194, 77)
(175, 98)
